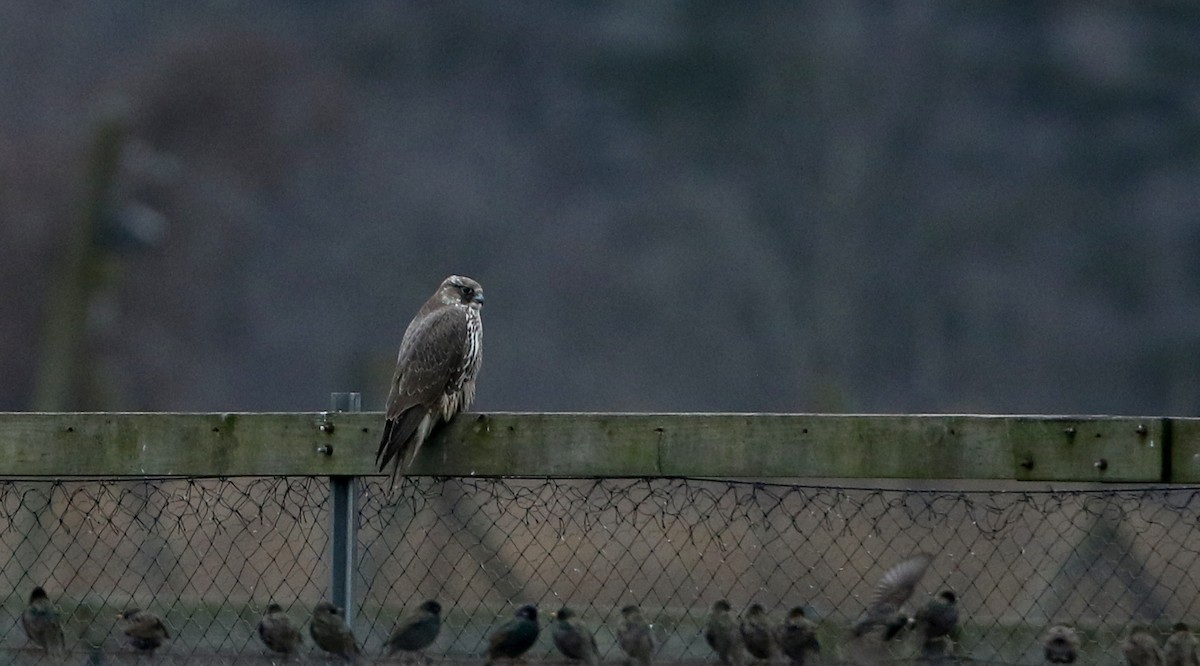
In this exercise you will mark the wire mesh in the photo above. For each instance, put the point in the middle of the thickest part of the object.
(208, 555)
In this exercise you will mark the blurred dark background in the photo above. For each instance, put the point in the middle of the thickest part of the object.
(673, 206)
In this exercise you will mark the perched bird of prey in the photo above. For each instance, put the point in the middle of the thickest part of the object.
(573, 639)
(436, 369)
(42, 625)
(722, 635)
(1060, 644)
(1141, 647)
(277, 632)
(514, 637)
(417, 631)
(935, 622)
(634, 636)
(1180, 648)
(893, 590)
(756, 633)
(145, 631)
(329, 631)
(798, 637)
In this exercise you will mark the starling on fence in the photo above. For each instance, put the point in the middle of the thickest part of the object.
(436, 369)
(329, 631)
(756, 633)
(935, 622)
(573, 639)
(277, 632)
(722, 635)
(1141, 647)
(145, 631)
(417, 631)
(634, 636)
(1060, 644)
(1180, 649)
(798, 637)
(42, 624)
(895, 588)
(514, 637)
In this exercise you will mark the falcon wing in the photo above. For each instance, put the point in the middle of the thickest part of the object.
(431, 356)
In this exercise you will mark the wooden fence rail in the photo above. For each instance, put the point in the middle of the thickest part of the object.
(1029, 448)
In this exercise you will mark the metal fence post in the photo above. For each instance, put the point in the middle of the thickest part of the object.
(344, 530)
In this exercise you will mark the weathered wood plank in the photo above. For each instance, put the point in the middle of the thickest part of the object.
(717, 445)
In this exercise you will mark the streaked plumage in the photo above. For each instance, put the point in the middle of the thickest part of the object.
(329, 631)
(417, 631)
(514, 637)
(895, 588)
(798, 637)
(439, 360)
(634, 636)
(573, 639)
(723, 636)
(144, 631)
(42, 624)
(276, 631)
(1141, 647)
(1180, 648)
(1060, 644)
(756, 632)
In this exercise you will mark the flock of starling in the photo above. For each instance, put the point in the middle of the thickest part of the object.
(934, 625)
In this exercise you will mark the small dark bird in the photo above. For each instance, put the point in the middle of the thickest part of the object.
(277, 632)
(1141, 647)
(417, 631)
(1180, 649)
(329, 631)
(42, 624)
(798, 637)
(514, 637)
(723, 636)
(573, 639)
(634, 636)
(756, 633)
(1060, 644)
(935, 622)
(145, 631)
(439, 360)
(895, 588)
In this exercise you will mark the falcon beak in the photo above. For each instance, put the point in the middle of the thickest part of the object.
(478, 298)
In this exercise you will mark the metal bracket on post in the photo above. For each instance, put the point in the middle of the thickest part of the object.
(344, 530)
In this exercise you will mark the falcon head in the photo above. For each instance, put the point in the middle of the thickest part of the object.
(461, 291)
(755, 610)
(721, 606)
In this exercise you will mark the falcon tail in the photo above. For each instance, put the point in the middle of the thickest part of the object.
(407, 430)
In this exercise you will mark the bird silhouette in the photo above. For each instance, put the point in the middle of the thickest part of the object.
(723, 636)
(329, 631)
(634, 636)
(1060, 644)
(277, 633)
(144, 631)
(416, 631)
(514, 637)
(573, 639)
(798, 637)
(42, 624)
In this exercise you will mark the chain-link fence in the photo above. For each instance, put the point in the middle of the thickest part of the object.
(209, 554)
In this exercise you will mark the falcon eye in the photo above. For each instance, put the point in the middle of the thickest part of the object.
(467, 291)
